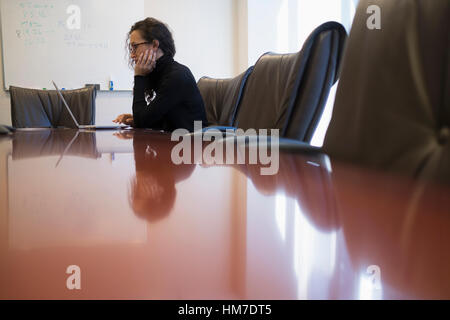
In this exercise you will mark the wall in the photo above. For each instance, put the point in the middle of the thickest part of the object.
(221, 38)
(204, 36)
(271, 27)
(203, 33)
(282, 26)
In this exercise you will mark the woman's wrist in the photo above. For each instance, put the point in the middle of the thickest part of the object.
(139, 74)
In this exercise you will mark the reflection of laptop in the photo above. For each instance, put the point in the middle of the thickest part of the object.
(67, 147)
(94, 127)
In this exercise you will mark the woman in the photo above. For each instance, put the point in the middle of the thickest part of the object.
(165, 95)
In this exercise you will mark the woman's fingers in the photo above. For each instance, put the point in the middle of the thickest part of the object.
(143, 59)
(148, 59)
(129, 121)
(148, 56)
(146, 62)
(123, 118)
(139, 60)
(153, 60)
(116, 120)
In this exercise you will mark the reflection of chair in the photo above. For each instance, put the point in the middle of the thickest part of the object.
(41, 143)
(222, 97)
(306, 179)
(289, 91)
(43, 108)
(392, 107)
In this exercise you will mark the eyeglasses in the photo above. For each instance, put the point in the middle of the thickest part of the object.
(133, 47)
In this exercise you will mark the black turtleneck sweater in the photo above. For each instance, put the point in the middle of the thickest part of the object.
(176, 102)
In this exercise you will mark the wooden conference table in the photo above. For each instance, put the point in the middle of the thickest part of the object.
(140, 227)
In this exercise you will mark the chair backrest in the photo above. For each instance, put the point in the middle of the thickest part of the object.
(44, 108)
(326, 46)
(273, 90)
(392, 108)
(222, 97)
(33, 108)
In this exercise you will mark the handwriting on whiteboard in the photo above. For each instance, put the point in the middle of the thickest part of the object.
(38, 24)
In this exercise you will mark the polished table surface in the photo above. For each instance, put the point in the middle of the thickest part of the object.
(140, 227)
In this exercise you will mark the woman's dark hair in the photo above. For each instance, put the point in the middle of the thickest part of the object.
(156, 204)
(152, 29)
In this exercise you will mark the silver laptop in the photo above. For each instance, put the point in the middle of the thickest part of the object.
(91, 127)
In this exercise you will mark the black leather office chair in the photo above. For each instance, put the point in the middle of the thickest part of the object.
(326, 45)
(44, 108)
(289, 91)
(392, 108)
(222, 97)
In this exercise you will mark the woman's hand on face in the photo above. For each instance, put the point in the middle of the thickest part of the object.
(145, 63)
(125, 119)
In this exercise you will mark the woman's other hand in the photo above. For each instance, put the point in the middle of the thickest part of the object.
(125, 119)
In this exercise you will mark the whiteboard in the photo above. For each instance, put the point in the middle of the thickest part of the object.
(73, 42)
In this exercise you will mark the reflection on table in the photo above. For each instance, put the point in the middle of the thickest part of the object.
(139, 226)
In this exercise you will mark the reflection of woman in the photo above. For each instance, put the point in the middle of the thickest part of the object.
(166, 96)
(153, 192)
